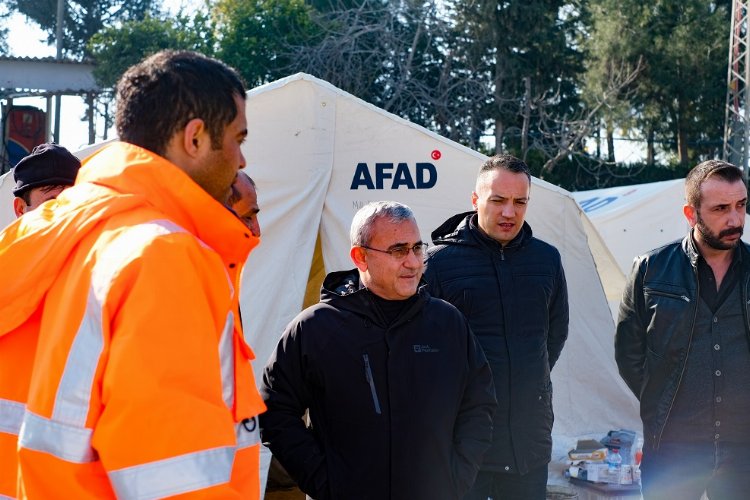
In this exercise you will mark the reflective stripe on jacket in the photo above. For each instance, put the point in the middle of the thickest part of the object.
(142, 385)
(16, 358)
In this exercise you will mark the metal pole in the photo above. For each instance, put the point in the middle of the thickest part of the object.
(48, 125)
(59, 43)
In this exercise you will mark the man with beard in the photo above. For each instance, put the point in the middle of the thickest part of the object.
(682, 346)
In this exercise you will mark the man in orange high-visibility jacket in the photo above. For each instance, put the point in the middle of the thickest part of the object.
(40, 176)
(142, 385)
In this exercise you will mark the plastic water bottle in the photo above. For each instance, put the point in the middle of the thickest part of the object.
(614, 461)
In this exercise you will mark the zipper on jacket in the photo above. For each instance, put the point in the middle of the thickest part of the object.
(657, 440)
(371, 381)
(667, 294)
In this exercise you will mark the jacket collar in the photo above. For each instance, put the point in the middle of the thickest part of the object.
(453, 230)
(486, 241)
(693, 254)
(463, 229)
(130, 170)
(690, 249)
(344, 290)
(119, 178)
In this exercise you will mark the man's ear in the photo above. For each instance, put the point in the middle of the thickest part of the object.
(691, 214)
(359, 257)
(195, 137)
(19, 206)
(474, 198)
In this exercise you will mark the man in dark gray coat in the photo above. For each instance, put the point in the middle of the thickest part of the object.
(399, 393)
(511, 287)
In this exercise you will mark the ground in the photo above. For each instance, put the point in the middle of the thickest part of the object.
(553, 493)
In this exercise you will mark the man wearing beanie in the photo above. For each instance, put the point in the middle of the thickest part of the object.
(42, 175)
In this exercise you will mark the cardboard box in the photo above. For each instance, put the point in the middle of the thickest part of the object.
(589, 450)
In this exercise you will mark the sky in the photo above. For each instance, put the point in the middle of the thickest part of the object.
(25, 39)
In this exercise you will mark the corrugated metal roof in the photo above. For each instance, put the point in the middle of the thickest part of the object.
(43, 59)
(44, 76)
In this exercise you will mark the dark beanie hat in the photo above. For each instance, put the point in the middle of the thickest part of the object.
(47, 165)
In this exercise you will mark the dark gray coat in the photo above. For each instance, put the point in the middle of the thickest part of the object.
(516, 300)
(399, 411)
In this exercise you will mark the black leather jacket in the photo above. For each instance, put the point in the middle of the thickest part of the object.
(655, 328)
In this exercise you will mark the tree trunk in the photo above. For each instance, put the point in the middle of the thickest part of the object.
(682, 149)
(598, 137)
(682, 136)
(499, 87)
(90, 103)
(499, 133)
(526, 118)
(610, 142)
(106, 119)
(650, 154)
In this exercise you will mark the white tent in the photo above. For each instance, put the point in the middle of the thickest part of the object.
(318, 154)
(633, 220)
(6, 199)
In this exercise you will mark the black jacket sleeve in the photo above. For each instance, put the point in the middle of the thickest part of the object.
(472, 434)
(282, 428)
(630, 335)
(559, 317)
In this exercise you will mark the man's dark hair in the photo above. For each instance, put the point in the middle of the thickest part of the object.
(505, 162)
(26, 195)
(235, 195)
(158, 96)
(698, 175)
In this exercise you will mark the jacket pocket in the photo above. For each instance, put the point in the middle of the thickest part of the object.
(371, 382)
(671, 294)
(667, 312)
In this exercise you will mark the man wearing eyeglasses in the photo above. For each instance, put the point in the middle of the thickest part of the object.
(399, 393)
(511, 287)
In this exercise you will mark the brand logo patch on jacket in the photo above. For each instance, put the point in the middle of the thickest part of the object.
(424, 348)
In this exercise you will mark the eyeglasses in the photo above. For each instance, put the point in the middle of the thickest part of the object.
(402, 251)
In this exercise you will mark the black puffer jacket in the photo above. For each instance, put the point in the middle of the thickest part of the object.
(655, 327)
(516, 301)
(401, 411)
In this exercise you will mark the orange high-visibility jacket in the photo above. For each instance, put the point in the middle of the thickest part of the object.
(141, 386)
